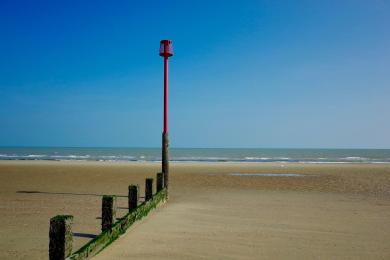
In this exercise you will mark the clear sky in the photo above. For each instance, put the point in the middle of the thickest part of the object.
(244, 73)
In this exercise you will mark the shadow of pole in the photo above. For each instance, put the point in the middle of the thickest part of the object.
(67, 193)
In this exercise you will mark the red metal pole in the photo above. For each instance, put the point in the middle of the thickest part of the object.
(165, 95)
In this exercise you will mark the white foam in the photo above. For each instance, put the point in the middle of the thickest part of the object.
(110, 157)
(71, 156)
(9, 156)
(127, 157)
(35, 155)
(354, 158)
(323, 162)
(258, 158)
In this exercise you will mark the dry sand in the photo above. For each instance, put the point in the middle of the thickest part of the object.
(332, 212)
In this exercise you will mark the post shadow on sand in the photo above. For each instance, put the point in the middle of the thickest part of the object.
(71, 193)
(77, 194)
(117, 218)
(121, 208)
(84, 235)
(66, 193)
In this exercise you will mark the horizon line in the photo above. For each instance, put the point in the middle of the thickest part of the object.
(184, 147)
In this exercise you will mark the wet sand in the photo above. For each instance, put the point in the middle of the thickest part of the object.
(333, 211)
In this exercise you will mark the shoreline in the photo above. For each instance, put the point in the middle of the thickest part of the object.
(185, 155)
(121, 162)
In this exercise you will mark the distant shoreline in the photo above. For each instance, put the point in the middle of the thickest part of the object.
(187, 163)
(189, 155)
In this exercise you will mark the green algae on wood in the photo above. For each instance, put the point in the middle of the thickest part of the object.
(159, 181)
(60, 237)
(148, 189)
(107, 237)
(133, 197)
(108, 212)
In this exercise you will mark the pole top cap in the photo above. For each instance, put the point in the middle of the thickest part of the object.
(166, 48)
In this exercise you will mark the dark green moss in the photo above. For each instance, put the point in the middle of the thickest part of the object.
(107, 237)
(60, 236)
(108, 212)
(61, 217)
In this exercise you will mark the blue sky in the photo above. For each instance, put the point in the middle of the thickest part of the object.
(244, 73)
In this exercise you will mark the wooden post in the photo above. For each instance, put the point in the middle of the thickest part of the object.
(133, 197)
(61, 237)
(165, 158)
(148, 189)
(108, 212)
(159, 182)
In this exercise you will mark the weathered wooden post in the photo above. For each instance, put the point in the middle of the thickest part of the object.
(159, 182)
(61, 237)
(108, 212)
(148, 189)
(133, 197)
(165, 159)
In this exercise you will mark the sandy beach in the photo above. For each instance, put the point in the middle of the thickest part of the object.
(331, 211)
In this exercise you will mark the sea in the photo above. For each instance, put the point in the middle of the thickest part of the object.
(220, 155)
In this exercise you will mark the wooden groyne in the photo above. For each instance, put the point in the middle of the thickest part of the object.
(61, 236)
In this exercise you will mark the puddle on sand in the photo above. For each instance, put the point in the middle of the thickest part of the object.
(267, 174)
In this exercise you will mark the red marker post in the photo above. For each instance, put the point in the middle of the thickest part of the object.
(166, 51)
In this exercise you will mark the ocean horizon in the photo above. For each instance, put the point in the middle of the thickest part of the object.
(258, 155)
